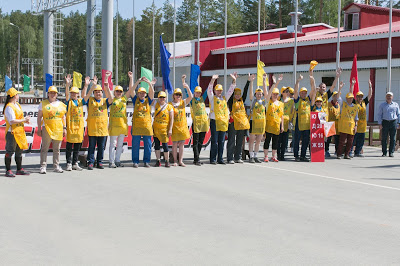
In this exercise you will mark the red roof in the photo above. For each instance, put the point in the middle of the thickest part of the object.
(374, 8)
(323, 35)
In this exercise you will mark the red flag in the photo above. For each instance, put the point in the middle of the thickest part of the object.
(103, 76)
(354, 74)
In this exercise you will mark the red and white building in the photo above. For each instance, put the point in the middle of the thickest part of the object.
(365, 33)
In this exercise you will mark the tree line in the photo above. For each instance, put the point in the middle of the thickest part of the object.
(242, 17)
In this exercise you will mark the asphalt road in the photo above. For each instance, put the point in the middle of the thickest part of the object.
(333, 213)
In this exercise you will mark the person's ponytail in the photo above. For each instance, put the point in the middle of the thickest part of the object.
(8, 99)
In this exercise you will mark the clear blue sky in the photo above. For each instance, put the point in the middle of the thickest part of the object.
(125, 6)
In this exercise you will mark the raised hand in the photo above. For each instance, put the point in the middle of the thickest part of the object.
(183, 77)
(154, 81)
(341, 84)
(214, 77)
(300, 78)
(353, 81)
(280, 77)
(234, 76)
(87, 81)
(338, 72)
(95, 80)
(251, 77)
(68, 80)
(108, 73)
(370, 83)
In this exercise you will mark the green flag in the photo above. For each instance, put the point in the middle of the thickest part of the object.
(149, 75)
(27, 82)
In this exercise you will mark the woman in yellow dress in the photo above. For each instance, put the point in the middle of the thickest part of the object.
(16, 140)
(75, 122)
(288, 114)
(274, 121)
(162, 127)
(52, 115)
(180, 131)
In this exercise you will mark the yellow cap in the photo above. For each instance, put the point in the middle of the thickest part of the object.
(349, 95)
(98, 88)
(303, 89)
(198, 89)
(118, 88)
(313, 63)
(141, 89)
(53, 89)
(259, 90)
(12, 92)
(291, 90)
(218, 87)
(162, 94)
(177, 91)
(318, 99)
(360, 93)
(74, 89)
(276, 90)
(283, 89)
(334, 93)
(237, 89)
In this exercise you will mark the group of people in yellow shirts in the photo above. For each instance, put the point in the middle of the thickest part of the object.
(273, 114)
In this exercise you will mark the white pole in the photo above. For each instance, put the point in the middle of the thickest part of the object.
(198, 34)
(32, 66)
(152, 53)
(259, 28)
(133, 42)
(174, 42)
(389, 70)
(225, 43)
(116, 49)
(295, 44)
(338, 40)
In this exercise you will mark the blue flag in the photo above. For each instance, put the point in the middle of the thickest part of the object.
(165, 55)
(194, 75)
(8, 83)
(49, 81)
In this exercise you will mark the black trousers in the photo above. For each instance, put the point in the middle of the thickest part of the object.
(198, 139)
(72, 149)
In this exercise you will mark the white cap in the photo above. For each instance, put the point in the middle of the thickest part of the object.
(389, 93)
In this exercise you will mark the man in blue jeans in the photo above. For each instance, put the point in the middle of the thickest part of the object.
(388, 120)
(219, 117)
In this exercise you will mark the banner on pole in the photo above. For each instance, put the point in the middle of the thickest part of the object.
(148, 74)
(27, 82)
(317, 140)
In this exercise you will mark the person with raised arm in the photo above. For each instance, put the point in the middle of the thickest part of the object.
(238, 123)
(180, 131)
(274, 122)
(257, 120)
(141, 121)
(97, 122)
(321, 90)
(288, 114)
(52, 115)
(75, 122)
(162, 127)
(333, 116)
(302, 122)
(219, 117)
(15, 137)
(200, 124)
(347, 124)
(361, 103)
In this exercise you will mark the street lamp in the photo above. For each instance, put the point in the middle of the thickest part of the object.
(19, 51)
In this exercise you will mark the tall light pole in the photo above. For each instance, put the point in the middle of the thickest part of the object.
(174, 42)
(133, 42)
(389, 69)
(295, 43)
(116, 48)
(338, 40)
(198, 32)
(152, 49)
(19, 52)
(225, 43)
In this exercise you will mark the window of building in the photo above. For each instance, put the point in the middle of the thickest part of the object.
(351, 21)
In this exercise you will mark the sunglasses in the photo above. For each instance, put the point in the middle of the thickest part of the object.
(161, 97)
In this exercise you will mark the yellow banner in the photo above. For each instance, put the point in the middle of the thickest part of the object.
(260, 73)
(77, 80)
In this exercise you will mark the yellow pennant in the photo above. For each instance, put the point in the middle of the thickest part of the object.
(77, 80)
(260, 73)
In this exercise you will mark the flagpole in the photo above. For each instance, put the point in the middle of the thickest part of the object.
(173, 67)
(338, 40)
(225, 41)
(295, 44)
(389, 70)
(133, 42)
(116, 48)
(259, 27)
(152, 50)
(198, 34)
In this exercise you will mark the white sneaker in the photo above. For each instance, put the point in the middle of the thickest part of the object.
(231, 162)
(58, 170)
(76, 167)
(43, 169)
(69, 167)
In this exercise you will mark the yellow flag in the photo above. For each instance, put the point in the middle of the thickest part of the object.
(77, 80)
(260, 73)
